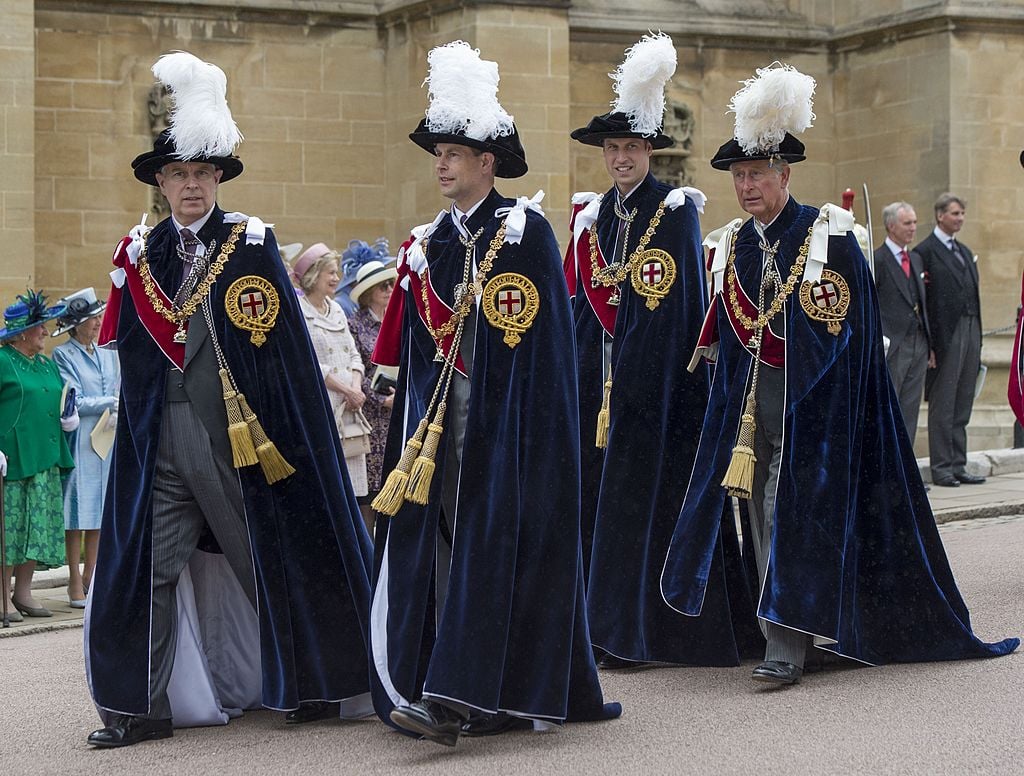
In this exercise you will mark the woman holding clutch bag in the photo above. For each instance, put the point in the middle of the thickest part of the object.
(316, 274)
(33, 451)
(95, 376)
(372, 291)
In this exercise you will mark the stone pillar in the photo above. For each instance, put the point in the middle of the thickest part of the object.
(17, 148)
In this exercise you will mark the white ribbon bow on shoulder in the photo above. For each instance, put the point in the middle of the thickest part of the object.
(832, 221)
(677, 197)
(515, 223)
(255, 229)
(720, 240)
(136, 235)
(586, 217)
(414, 255)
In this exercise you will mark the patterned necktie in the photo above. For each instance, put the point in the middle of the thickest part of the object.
(955, 247)
(905, 262)
(191, 245)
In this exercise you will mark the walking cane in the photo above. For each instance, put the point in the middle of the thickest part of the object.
(3, 557)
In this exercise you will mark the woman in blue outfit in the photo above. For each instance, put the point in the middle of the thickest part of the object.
(95, 376)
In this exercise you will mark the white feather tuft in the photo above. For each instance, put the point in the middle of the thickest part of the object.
(201, 124)
(463, 93)
(778, 100)
(640, 82)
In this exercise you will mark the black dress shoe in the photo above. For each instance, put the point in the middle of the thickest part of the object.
(125, 731)
(311, 711)
(433, 721)
(947, 482)
(777, 672)
(494, 724)
(611, 662)
(969, 479)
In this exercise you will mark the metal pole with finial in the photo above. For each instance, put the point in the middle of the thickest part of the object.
(3, 558)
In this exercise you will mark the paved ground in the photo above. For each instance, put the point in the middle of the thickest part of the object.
(940, 718)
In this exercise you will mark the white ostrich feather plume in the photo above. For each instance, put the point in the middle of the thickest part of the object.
(640, 82)
(463, 93)
(776, 101)
(201, 124)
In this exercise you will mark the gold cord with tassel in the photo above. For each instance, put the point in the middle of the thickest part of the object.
(392, 493)
(739, 477)
(604, 417)
(243, 452)
(274, 465)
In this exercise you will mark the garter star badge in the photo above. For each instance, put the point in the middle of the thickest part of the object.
(652, 275)
(826, 300)
(252, 305)
(510, 303)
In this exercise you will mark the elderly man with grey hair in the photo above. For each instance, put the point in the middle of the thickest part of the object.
(954, 316)
(899, 278)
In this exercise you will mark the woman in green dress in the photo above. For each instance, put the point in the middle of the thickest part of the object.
(33, 451)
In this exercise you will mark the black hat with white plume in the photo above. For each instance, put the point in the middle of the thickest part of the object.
(770, 109)
(464, 108)
(639, 106)
(201, 127)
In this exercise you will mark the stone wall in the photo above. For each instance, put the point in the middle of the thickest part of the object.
(17, 144)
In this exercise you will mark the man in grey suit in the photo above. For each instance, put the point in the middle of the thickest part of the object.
(901, 301)
(954, 317)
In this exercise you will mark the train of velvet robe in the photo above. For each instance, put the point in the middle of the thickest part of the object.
(310, 550)
(657, 408)
(856, 559)
(512, 635)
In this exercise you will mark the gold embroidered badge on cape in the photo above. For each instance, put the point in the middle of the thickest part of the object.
(826, 300)
(252, 304)
(510, 303)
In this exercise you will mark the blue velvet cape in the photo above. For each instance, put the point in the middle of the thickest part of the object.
(856, 558)
(657, 408)
(513, 634)
(310, 548)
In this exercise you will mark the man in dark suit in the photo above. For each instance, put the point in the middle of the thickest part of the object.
(901, 301)
(954, 317)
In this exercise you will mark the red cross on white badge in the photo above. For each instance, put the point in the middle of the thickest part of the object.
(825, 295)
(653, 272)
(253, 304)
(510, 301)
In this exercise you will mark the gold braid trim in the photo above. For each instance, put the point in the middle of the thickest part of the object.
(464, 305)
(185, 312)
(614, 274)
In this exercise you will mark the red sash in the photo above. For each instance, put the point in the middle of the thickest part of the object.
(773, 347)
(388, 350)
(598, 295)
(159, 328)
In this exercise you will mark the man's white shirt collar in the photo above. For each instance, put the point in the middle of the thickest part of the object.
(457, 216)
(897, 250)
(195, 226)
(945, 239)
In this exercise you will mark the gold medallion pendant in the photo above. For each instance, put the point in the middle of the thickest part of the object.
(827, 300)
(652, 276)
(252, 305)
(510, 303)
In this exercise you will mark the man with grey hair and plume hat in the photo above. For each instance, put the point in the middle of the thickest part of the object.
(802, 423)
(478, 623)
(228, 505)
(636, 274)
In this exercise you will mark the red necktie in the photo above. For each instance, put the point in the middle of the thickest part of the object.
(905, 262)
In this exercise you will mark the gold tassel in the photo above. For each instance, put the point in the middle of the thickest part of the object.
(739, 477)
(392, 494)
(274, 465)
(604, 417)
(243, 453)
(418, 489)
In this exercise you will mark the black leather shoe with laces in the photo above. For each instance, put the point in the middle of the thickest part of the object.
(126, 730)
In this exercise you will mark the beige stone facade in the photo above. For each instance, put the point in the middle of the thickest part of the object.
(914, 97)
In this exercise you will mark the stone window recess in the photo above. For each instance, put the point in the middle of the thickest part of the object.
(158, 105)
(672, 165)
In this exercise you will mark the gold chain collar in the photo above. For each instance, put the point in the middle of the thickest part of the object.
(787, 288)
(465, 304)
(614, 273)
(180, 315)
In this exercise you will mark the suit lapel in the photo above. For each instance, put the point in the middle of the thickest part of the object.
(956, 269)
(895, 274)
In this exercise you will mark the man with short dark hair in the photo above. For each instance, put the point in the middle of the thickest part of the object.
(227, 500)
(954, 317)
(478, 623)
(899, 278)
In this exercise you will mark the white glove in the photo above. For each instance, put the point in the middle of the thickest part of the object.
(111, 421)
(70, 423)
(3, 464)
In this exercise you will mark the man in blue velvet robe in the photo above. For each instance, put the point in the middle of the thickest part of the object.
(478, 610)
(846, 544)
(201, 308)
(654, 307)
